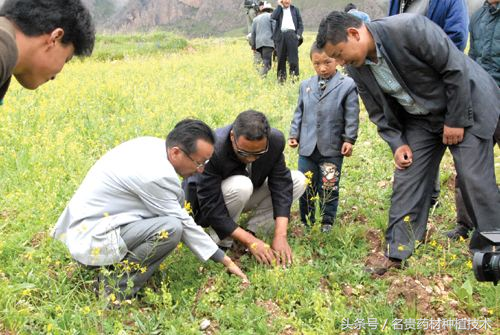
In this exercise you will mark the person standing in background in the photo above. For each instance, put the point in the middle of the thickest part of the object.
(252, 8)
(450, 15)
(351, 8)
(261, 39)
(287, 37)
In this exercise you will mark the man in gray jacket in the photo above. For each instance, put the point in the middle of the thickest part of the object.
(261, 38)
(129, 207)
(424, 95)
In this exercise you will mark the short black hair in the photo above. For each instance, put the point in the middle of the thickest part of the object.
(251, 124)
(333, 28)
(38, 17)
(349, 6)
(187, 132)
(315, 49)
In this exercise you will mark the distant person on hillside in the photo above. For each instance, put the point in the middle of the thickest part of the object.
(287, 37)
(325, 127)
(351, 8)
(252, 9)
(424, 95)
(129, 210)
(262, 37)
(37, 37)
(247, 173)
(485, 50)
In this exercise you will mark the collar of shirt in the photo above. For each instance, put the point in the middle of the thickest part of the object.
(379, 58)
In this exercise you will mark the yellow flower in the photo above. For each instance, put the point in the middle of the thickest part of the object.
(461, 239)
(49, 327)
(469, 264)
(308, 174)
(112, 297)
(163, 266)
(26, 292)
(179, 246)
(406, 219)
(433, 243)
(95, 252)
(401, 247)
(163, 235)
(29, 255)
(143, 269)
(188, 208)
(316, 197)
(86, 310)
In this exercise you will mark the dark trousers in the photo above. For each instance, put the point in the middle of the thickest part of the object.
(287, 48)
(266, 54)
(412, 187)
(324, 187)
(464, 222)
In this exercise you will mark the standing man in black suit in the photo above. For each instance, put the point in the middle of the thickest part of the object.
(287, 37)
(247, 173)
(424, 95)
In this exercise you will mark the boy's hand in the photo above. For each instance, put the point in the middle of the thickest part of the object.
(403, 157)
(234, 269)
(452, 135)
(346, 149)
(292, 142)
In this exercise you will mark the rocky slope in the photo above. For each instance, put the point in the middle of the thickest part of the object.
(203, 17)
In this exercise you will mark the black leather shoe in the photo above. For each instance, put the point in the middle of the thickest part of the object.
(457, 233)
(381, 267)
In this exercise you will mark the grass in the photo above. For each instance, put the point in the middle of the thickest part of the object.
(49, 138)
(115, 47)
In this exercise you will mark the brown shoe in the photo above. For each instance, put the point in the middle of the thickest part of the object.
(378, 264)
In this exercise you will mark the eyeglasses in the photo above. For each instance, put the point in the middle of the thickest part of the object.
(244, 153)
(199, 165)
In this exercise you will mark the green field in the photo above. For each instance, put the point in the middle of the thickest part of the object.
(49, 138)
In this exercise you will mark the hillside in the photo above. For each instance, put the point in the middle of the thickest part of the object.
(203, 17)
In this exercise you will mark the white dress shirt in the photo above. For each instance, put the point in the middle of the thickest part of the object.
(287, 23)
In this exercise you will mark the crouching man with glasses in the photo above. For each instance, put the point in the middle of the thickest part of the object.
(247, 173)
(129, 209)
